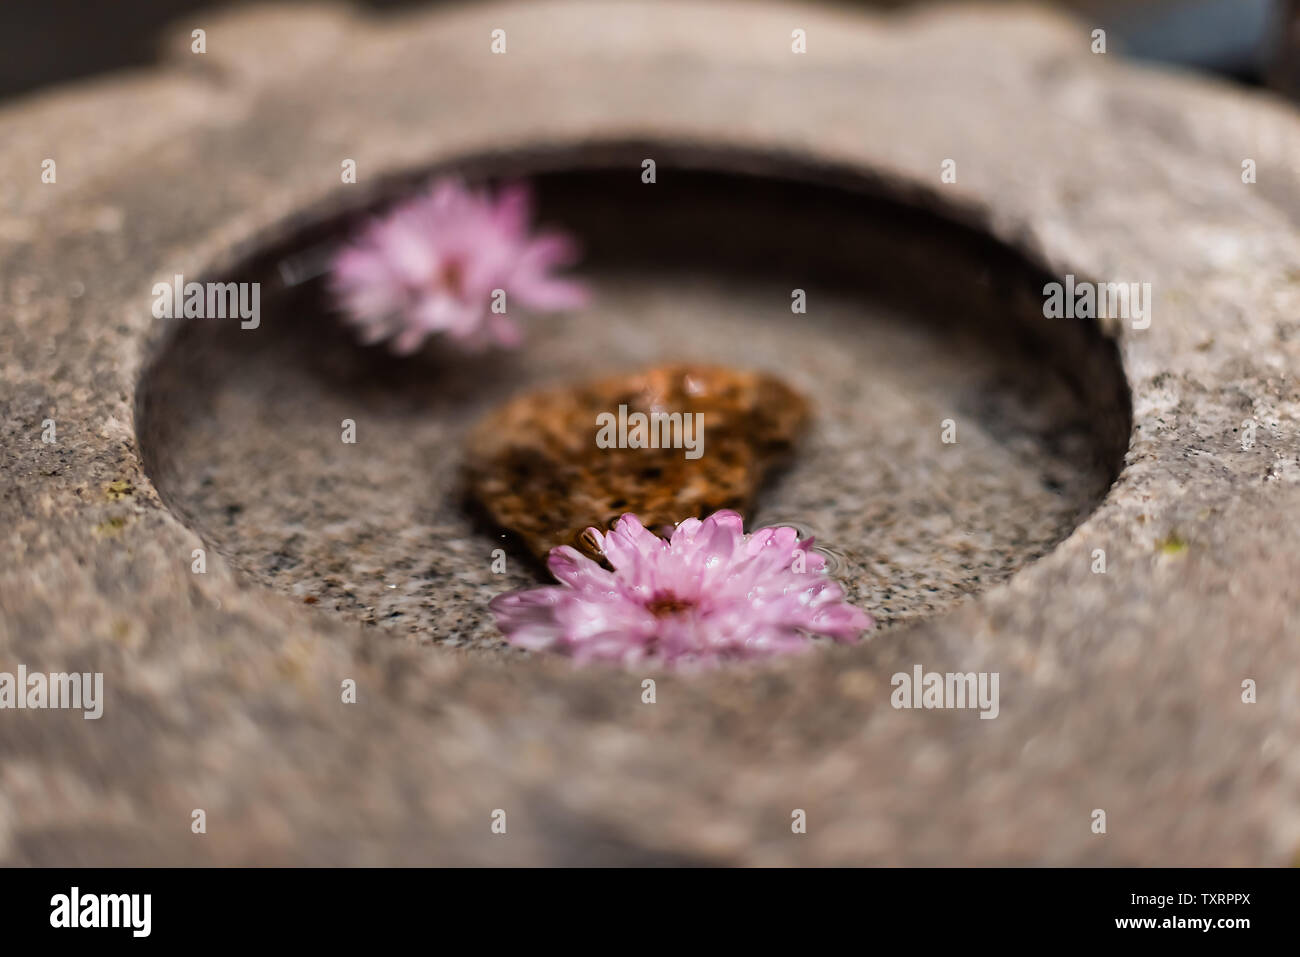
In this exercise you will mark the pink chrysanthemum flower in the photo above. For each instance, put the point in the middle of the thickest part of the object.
(431, 267)
(710, 592)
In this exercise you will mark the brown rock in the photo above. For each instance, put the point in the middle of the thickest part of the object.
(538, 466)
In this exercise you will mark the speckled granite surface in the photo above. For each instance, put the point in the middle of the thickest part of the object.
(1120, 691)
(241, 428)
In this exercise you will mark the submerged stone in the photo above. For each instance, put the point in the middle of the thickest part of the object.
(667, 443)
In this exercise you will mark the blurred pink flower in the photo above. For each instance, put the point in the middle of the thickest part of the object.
(710, 592)
(430, 267)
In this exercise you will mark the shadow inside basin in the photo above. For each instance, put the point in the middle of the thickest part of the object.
(912, 319)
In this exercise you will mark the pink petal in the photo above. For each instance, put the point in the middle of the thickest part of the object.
(432, 265)
(709, 594)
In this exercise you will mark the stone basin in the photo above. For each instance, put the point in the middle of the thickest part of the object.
(1171, 450)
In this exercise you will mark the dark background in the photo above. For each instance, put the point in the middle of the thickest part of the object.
(46, 42)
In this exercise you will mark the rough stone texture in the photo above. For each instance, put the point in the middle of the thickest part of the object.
(700, 267)
(1120, 690)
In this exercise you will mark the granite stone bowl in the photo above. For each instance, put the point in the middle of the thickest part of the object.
(1112, 533)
